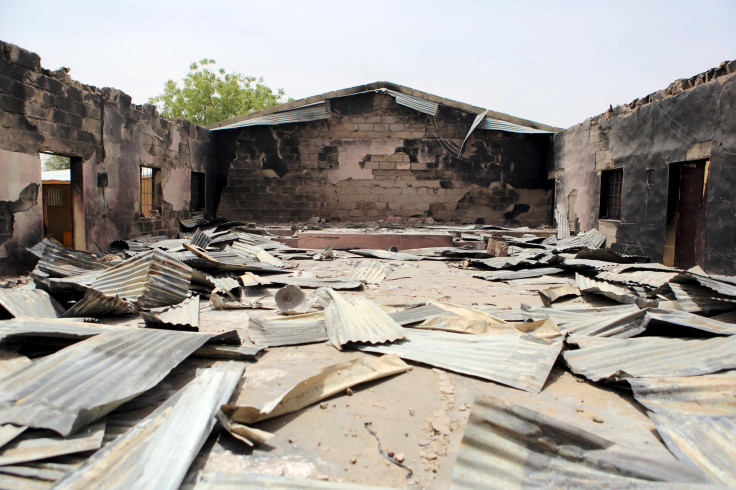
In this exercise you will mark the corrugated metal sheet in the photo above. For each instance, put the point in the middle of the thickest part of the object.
(385, 254)
(150, 279)
(705, 441)
(696, 299)
(183, 315)
(243, 352)
(563, 225)
(591, 239)
(684, 319)
(647, 357)
(497, 263)
(712, 394)
(79, 384)
(308, 282)
(255, 252)
(194, 221)
(653, 279)
(418, 314)
(32, 446)
(308, 113)
(499, 125)
(222, 480)
(478, 119)
(96, 304)
(293, 330)
(421, 105)
(370, 271)
(521, 361)
(27, 327)
(591, 286)
(553, 294)
(200, 239)
(221, 261)
(58, 261)
(610, 321)
(508, 447)
(21, 302)
(719, 286)
(353, 319)
(158, 451)
(520, 274)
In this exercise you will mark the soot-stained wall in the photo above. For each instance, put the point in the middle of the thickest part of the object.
(374, 158)
(692, 120)
(107, 136)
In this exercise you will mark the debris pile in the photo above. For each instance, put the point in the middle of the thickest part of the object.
(88, 347)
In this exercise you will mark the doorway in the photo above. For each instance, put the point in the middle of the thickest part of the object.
(686, 212)
(63, 203)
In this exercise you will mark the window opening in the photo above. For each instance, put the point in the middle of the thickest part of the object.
(196, 201)
(611, 193)
(149, 191)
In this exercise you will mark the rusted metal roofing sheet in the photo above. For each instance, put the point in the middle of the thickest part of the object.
(507, 446)
(647, 357)
(224, 480)
(696, 299)
(183, 315)
(711, 394)
(370, 271)
(34, 446)
(418, 314)
(308, 113)
(353, 319)
(158, 451)
(591, 286)
(521, 274)
(95, 304)
(521, 361)
(705, 441)
(294, 330)
(21, 302)
(150, 279)
(80, 383)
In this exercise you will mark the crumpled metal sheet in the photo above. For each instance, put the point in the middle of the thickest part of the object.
(690, 320)
(150, 280)
(331, 380)
(337, 283)
(185, 315)
(418, 314)
(520, 274)
(507, 446)
(591, 286)
(591, 239)
(293, 330)
(34, 446)
(58, 261)
(647, 357)
(370, 271)
(385, 254)
(721, 284)
(653, 279)
(521, 361)
(81, 383)
(59, 328)
(353, 319)
(711, 394)
(553, 294)
(705, 441)
(222, 480)
(497, 263)
(254, 252)
(21, 302)
(96, 304)
(158, 451)
(699, 299)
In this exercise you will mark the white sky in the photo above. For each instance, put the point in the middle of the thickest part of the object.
(555, 62)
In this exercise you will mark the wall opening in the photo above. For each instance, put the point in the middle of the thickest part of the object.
(150, 191)
(685, 218)
(611, 193)
(62, 197)
(196, 201)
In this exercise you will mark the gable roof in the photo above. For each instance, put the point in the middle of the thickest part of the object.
(316, 107)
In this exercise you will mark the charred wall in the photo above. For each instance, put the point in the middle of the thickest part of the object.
(374, 158)
(692, 120)
(44, 111)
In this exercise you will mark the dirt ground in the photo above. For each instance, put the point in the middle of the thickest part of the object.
(420, 414)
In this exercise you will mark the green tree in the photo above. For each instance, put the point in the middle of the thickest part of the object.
(55, 162)
(206, 96)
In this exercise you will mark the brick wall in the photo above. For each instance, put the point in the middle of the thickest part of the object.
(374, 158)
(44, 111)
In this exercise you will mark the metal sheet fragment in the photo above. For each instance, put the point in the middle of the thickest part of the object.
(329, 381)
(27, 302)
(221, 480)
(34, 446)
(294, 330)
(507, 446)
(370, 271)
(591, 286)
(521, 274)
(146, 456)
(355, 319)
(184, 316)
(710, 394)
(521, 361)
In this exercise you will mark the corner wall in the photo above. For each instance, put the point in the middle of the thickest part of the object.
(693, 119)
(374, 159)
(44, 111)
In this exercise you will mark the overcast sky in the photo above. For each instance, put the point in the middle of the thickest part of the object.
(553, 62)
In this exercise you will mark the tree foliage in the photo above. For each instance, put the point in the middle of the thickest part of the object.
(206, 96)
(55, 162)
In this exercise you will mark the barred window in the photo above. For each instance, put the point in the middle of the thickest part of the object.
(611, 193)
(149, 191)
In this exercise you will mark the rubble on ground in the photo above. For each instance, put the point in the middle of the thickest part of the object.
(105, 360)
